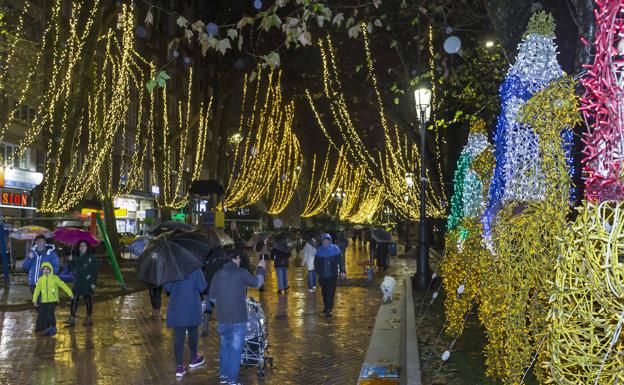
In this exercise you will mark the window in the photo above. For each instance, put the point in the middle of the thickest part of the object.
(12, 158)
(24, 113)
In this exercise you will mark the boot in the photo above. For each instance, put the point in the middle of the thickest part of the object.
(88, 321)
(71, 321)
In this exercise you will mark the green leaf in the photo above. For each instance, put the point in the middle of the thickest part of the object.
(161, 82)
(163, 75)
(182, 22)
(232, 33)
(150, 85)
(224, 45)
(272, 59)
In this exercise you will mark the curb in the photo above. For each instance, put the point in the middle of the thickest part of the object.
(410, 357)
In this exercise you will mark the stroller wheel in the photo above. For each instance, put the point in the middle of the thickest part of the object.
(260, 371)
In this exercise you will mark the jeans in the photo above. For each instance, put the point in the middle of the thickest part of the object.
(328, 288)
(232, 340)
(179, 334)
(45, 316)
(311, 279)
(282, 277)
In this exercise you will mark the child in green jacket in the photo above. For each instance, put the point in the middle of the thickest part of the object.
(48, 287)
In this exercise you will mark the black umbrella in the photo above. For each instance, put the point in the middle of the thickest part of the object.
(206, 187)
(284, 241)
(381, 235)
(216, 237)
(170, 226)
(172, 256)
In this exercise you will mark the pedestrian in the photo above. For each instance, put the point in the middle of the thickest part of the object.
(46, 295)
(264, 254)
(155, 293)
(41, 252)
(328, 261)
(228, 293)
(84, 266)
(184, 315)
(382, 255)
(281, 261)
(342, 242)
(308, 261)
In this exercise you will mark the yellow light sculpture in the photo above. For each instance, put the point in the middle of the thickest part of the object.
(584, 341)
(463, 263)
(527, 239)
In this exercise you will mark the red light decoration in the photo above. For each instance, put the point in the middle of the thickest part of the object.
(603, 106)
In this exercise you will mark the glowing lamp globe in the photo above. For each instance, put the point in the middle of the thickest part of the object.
(422, 98)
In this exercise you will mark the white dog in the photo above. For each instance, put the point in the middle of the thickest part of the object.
(387, 288)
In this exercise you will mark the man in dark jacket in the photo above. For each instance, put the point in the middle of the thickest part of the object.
(40, 253)
(228, 293)
(327, 262)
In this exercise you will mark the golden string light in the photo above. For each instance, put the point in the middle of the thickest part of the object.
(433, 112)
(267, 162)
(185, 126)
(105, 109)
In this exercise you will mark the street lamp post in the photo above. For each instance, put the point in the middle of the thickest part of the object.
(409, 182)
(422, 278)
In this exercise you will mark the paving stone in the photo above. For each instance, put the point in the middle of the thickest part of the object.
(124, 346)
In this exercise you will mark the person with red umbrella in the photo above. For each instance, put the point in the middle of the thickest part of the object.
(84, 266)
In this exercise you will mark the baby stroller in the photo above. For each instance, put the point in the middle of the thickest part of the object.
(255, 349)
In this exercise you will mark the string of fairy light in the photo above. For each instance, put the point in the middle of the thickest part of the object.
(268, 158)
(101, 121)
(171, 193)
(270, 153)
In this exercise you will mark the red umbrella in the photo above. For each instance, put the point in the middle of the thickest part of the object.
(72, 235)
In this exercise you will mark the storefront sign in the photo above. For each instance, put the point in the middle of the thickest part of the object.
(14, 198)
(16, 178)
(129, 204)
(118, 212)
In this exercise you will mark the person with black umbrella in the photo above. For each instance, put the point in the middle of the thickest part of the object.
(174, 260)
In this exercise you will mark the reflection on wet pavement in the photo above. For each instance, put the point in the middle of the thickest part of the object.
(125, 346)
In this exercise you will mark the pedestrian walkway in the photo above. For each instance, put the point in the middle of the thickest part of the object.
(124, 346)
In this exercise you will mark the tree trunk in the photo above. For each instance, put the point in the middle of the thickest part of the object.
(587, 29)
(110, 223)
(165, 214)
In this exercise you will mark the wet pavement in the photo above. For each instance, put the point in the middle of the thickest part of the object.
(125, 346)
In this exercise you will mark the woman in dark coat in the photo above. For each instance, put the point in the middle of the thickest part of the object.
(84, 266)
(184, 315)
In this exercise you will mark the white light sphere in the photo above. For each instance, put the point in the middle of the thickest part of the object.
(452, 44)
